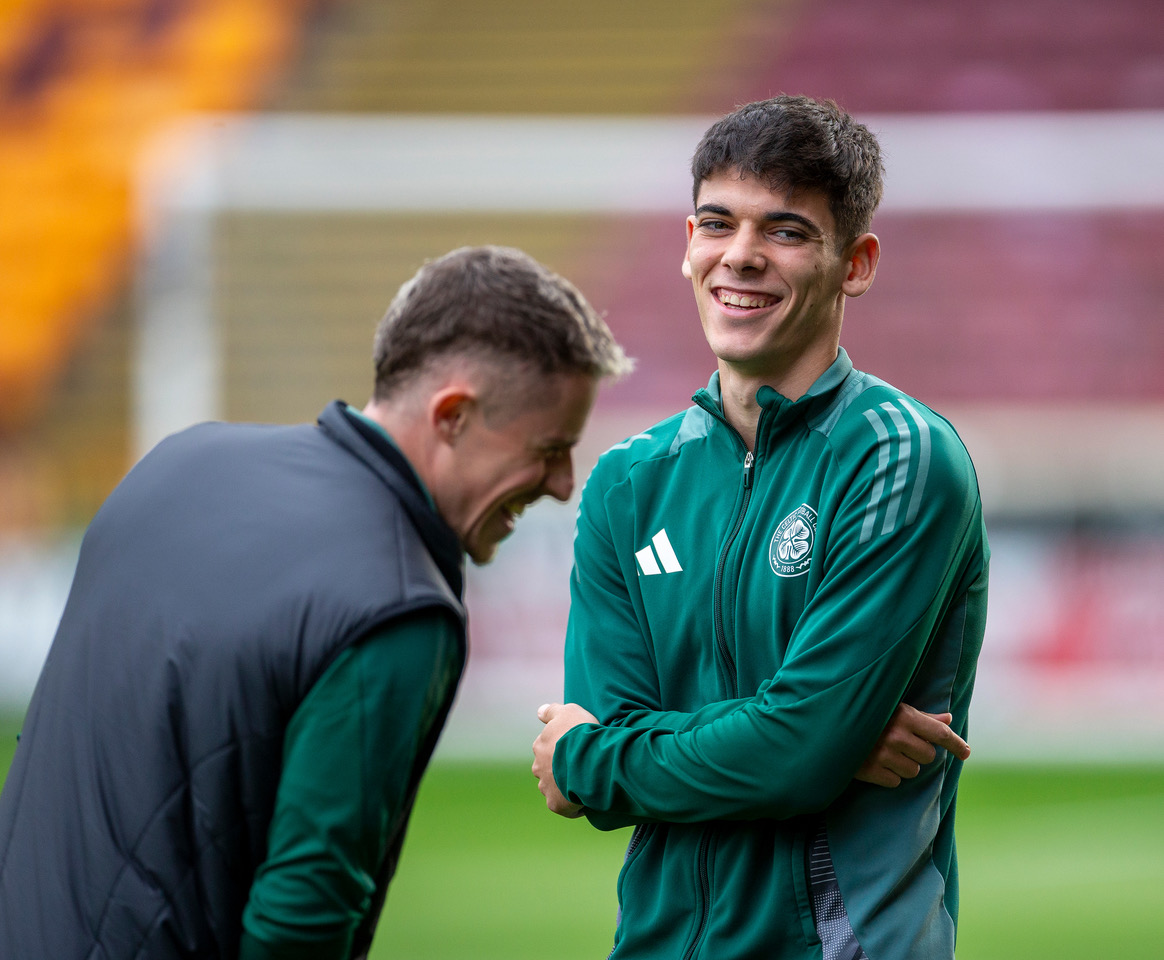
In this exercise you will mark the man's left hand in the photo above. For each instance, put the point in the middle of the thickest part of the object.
(907, 743)
(558, 718)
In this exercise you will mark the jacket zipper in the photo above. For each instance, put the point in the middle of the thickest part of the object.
(717, 599)
(730, 665)
(637, 837)
(726, 658)
(705, 893)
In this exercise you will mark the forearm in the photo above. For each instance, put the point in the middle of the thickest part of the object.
(349, 753)
(337, 948)
(677, 721)
(663, 721)
(776, 756)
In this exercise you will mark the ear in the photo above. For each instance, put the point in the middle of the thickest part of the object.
(861, 260)
(685, 269)
(449, 410)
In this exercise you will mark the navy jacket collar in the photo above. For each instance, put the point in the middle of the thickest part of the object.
(390, 465)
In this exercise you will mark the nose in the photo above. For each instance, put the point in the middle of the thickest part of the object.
(559, 482)
(745, 250)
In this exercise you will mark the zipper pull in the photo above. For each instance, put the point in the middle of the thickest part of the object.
(748, 469)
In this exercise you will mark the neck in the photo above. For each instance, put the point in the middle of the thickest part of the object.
(403, 428)
(738, 387)
(740, 409)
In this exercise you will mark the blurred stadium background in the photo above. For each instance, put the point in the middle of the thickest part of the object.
(205, 205)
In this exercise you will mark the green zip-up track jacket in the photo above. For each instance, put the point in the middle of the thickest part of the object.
(744, 627)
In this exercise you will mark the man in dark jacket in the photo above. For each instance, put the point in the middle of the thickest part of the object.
(265, 632)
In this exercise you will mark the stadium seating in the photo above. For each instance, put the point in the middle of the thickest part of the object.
(83, 85)
(1054, 301)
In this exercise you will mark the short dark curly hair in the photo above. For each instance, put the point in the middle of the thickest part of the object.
(797, 143)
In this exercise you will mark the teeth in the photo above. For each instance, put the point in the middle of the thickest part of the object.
(743, 300)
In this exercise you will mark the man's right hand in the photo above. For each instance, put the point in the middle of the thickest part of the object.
(558, 718)
(908, 742)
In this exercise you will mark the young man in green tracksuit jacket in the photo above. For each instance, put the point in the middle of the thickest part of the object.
(760, 580)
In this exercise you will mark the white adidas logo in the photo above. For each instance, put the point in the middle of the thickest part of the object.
(646, 557)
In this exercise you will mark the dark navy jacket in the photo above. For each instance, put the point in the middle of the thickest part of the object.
(214, 587)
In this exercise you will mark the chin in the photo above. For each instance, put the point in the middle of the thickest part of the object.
(481, 554)
(730, 345)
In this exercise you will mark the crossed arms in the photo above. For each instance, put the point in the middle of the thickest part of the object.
(905, 745)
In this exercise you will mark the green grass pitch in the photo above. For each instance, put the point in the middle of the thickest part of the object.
(1056, 862)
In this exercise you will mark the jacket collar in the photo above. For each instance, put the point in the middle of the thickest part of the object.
(384, 459)
(821, 392)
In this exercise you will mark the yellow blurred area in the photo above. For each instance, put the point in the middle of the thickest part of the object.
(85, 84)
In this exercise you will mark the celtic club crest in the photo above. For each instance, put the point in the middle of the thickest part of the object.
(790, 551)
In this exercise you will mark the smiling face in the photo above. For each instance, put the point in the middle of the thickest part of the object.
(769, 279)
(497, 466)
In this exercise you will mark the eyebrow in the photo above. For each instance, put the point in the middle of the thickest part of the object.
(558, 440)
(773, 216)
